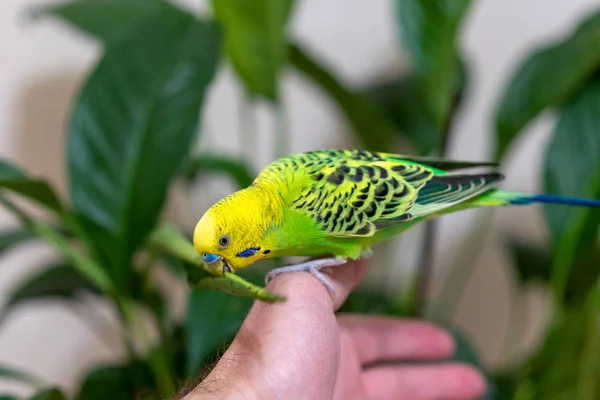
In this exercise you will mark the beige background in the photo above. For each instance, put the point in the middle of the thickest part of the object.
(43, 62)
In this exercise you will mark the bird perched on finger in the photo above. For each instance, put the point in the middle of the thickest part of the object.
(339, 203)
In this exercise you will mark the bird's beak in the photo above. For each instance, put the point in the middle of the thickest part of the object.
(219, 266)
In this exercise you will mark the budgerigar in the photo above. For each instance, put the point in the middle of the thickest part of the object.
(338, 203)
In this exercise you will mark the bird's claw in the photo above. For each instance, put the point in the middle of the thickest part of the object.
(313, 267)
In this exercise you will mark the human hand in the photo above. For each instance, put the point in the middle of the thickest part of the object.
(300, 349)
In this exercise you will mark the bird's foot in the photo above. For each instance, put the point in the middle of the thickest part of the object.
(313, 266)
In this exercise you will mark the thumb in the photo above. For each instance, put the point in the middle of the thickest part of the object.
(291, 347)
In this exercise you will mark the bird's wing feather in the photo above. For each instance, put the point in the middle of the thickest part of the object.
(356, 192)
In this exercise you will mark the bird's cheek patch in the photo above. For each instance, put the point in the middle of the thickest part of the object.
(248, 252)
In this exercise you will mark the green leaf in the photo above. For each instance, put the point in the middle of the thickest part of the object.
(14, 237)
(531, 262)
(60, 242)
(572, 168)
(504, 385)
(368, 301)
(85, 265)
(8, 171)
(429, 30)
(16, 375)
(131, 128)
(206, 163)
(8, 397)
(59, 280)
(169, 239)
(13, 179)
(402, 102)
(546, 79)
(256, 41)
(117, 382)
(49, 394)
(567, 365)
(111, 21)
(212, 318)
(237, 286)
(369, 123)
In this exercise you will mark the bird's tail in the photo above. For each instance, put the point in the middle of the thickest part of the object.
(501, 198)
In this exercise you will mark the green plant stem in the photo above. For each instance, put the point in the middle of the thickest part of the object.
(427, 257)
(586, 388)
(163, 367)
(125, 317)
(157, 361)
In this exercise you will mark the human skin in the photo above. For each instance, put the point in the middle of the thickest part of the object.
(300, 349)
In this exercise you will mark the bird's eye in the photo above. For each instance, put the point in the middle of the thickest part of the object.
(224, 241)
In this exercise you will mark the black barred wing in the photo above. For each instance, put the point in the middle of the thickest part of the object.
(356, 192)
(350, 192)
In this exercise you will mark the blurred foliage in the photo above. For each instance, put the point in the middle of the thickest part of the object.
(429, 29)
(547, 78)
(256, 41)
(137, 115)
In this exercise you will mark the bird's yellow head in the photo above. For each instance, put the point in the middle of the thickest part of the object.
(232, 233)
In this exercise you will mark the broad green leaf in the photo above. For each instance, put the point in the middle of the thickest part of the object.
(363, 300)
(504, 385)
(369, 123)
(212, 318)
(583, 273)
(402, 101)
(256, 41)
(132, 126)
(572, 168)
(237, 286)
(567, 364)
(169, 239)
(14, 374)
(8, 171)
(531, 262)
(60, 280)
(207, 163)
(85, 265)
(8, 397)
(110, 21)
(429, 30)
(49, 394)
(547, 78)
(15, 180)
(14, 237)
(117, 382)
(88, 267)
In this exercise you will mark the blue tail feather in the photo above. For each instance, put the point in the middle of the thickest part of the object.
(524, 199)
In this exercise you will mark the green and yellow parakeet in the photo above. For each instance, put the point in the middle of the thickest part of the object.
(339, 203)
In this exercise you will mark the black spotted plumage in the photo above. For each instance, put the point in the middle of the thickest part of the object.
(357, 192)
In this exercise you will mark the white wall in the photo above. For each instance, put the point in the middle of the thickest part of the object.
(42, 63)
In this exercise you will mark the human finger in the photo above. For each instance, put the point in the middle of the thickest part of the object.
(424, 382)
(378, 338)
